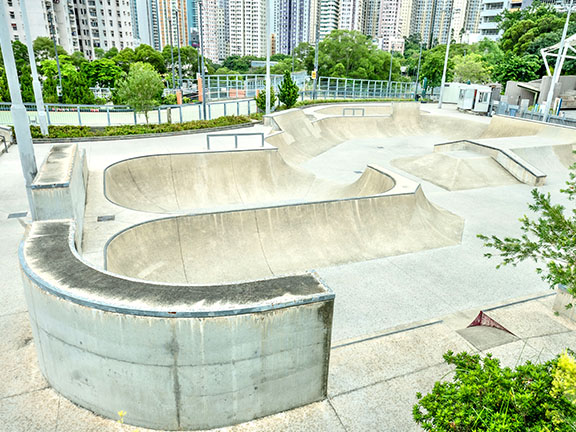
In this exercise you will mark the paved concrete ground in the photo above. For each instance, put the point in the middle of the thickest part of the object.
(394, 318)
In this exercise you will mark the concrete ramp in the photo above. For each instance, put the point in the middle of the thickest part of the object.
(184, 182)
(458, 170)
(271, 241)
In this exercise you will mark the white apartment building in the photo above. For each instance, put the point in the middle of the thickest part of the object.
(247, 20)
(352, 15)
(37, 18)
(405, 16)
(329, 16)
(293, 23)
(371, 17)
(390, 26)
(223, 29)
(430, 19)
(487, 26)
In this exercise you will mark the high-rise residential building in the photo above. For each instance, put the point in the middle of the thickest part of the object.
(472, 18)
(488, 26)
(371, 17)
(293, 23)
(223, 26)
(405, 16)
(390, 26)
(352, 15)
(430, 19)
(172, 22)
(329, 16)
(146, 22)
(37, 19)
(193, 36)
(247, 21)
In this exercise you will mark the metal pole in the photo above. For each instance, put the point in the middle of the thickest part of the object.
(179, 57)
(558, 67)
(53, 34)
(316, 51)
(445, 60)
(203, 73)
(418, 73)
(432, 22)
(35, 81)
(268, 54)
(390, 73)
(171, 45)
(18, 110)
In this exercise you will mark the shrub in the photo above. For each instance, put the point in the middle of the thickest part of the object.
(289, 91)
(261, 100)
(486, 397)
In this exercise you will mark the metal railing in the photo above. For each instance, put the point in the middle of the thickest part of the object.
(362, 111)
(235, 135)
(3, 138)
(533, 114)
(117, 115)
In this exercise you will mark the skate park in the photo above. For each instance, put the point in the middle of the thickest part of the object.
(375, 212)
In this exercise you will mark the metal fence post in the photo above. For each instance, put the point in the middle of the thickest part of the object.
(209, 112)
(108, 115)
(238, 108)
(48, 115)
(199, 112)
(159, 115)
(79, 116)
(225, 108)
(180, 108)
(249, 107)
(135, 119)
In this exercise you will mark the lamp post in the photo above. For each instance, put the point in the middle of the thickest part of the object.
(390, 71)
(53, 34)
(418, 73)
(268, 53)
(446, 56)
(558, 66)
(171, 43)
(18, 110)
(179, 57)
(42, 118)
(316, 51)
(202, 66)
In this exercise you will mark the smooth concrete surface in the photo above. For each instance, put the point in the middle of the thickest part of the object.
(186, 357)
(274, 241)
(193, 181)
(382, 301)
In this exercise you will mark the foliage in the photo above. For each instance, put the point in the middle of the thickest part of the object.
(433, 65)
(564, 383)
(548, 240)
(146, 54)
(75, 90)
(85, 131)
(471, 68)
(44, 48)
(516, 68)
(288, 91)
(483, 396)
(103, 73)
(141, 89)
(261, 100)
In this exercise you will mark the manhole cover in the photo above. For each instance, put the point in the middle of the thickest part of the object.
(106, 218)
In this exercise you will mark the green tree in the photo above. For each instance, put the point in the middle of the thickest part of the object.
(433, 65)
(49, 92)
(261, 100)
(77, 58)
(141, 89)
(124, 59)
(471, 68)
(305, 54)
(549, 239)
(516, 68)
(75, 90)
(485, 397)
(103, 73)
(44, 48)
(288, 91)
(111, 53)
(147, 54)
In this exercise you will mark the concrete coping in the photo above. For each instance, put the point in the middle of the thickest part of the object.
(49, 258)
(56, 171)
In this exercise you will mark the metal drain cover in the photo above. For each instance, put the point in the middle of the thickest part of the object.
(106, 218)
(17, 215)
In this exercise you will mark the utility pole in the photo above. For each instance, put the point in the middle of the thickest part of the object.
(202, 66)
(390, 71)
(268, 53)
(179, 57)
(42, 118)
(558, 67)
(432, 22)
(18, 110)
(171, 44)
(53, 34)
(418, 73)
(446, 57)
(314, 89)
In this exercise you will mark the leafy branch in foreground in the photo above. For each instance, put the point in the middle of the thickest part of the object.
(549, 239)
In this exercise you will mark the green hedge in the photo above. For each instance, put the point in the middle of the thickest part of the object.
(86, 131)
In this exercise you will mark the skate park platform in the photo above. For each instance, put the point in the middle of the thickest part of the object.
(348, 161)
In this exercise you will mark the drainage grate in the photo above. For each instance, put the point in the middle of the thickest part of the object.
(17, 215)
(106, 218)
(358, 172)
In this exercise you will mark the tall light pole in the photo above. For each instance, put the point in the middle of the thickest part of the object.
(171, 44)
(558, 66)
(53, 34)
(268, 53)
(202, 66)
(316, 51)
(390, 72)
(418, 73)
(42, 118)
(18, 110)
(179, 58)
(446, 57)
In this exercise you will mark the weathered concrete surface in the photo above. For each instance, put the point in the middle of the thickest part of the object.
(175, 357)
(195, 181)
(268, 242)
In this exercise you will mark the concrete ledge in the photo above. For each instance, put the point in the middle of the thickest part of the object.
(6, 132)
(59, 189)
(515, 165)
(562, 300)
(173, 356)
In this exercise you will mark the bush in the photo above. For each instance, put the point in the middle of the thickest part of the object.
(261, 100)
(169, 99)
(486, 397)
(85, 131)
(289, 91)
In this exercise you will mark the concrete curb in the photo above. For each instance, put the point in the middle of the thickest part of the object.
(139, 136)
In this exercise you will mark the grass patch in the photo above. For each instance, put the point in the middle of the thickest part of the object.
(86, 131)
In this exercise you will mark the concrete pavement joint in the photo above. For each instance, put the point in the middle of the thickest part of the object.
(518, 302)
(336, 414)
(25, 393)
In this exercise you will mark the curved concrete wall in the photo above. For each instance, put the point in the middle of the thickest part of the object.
(173, 357)
(285, 239)
(191, 181)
